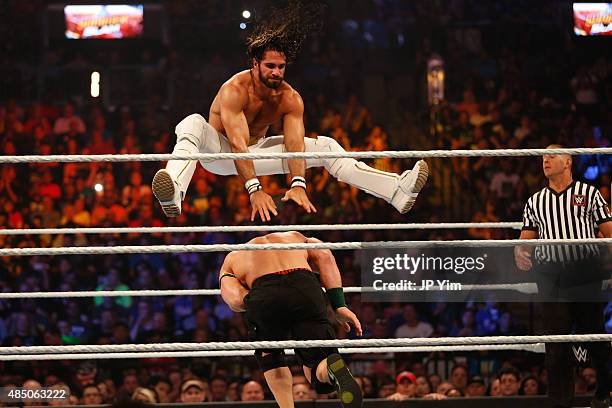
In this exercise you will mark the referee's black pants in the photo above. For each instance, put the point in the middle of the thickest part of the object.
(561, 318)
(566, 286)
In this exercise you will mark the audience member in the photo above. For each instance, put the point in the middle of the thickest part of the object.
(413, 327)
(406, 386)
(509, 381)
(252, 391)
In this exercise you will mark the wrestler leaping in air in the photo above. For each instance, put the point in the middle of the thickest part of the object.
(242, 112)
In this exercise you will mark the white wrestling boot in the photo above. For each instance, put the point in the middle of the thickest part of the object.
(409, 185)
(167, 192)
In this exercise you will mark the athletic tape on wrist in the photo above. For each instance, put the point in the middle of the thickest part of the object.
(298, 181)
(252, 185)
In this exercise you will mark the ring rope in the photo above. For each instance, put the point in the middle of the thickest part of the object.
(259, 228)
(88, 158)
(533, 348)
(528, 288)
(166, 249)
(253, 345)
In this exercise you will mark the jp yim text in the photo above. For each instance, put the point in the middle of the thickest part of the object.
(426, 284)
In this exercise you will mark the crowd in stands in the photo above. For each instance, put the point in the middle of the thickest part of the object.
(90, 383)
(491, 104)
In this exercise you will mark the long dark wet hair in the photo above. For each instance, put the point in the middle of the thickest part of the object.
(285, 29)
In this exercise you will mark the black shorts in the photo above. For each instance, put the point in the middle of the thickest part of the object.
(290, 306)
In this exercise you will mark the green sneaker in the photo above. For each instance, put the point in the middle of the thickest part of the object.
(348, 389)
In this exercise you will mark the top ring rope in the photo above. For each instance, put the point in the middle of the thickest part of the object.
(85, 158)
(167, 249)
(255, 228)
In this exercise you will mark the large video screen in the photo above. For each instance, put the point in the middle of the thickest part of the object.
(592, 19)
(113, 22)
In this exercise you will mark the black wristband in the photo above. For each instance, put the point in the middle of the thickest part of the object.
(336, 297)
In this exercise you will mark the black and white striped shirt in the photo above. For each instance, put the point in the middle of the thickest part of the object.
(571, 214)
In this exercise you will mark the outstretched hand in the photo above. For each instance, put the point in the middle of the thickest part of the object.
(344, 316)
(298, 194)
(262, 204)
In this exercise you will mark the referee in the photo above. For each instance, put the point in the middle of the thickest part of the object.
(567, 209)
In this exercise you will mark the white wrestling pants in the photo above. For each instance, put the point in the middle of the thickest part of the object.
(195, 135)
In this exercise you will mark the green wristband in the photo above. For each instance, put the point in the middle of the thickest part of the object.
(336, 297)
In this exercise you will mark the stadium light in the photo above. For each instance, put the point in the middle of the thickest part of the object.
(95, 84)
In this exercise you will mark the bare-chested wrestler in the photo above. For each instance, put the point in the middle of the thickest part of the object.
(283, 300)
(243, 110)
